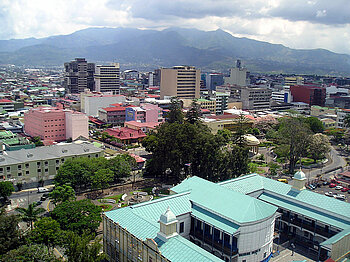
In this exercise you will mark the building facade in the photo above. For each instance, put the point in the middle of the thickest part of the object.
(29, 166)
(255, 98)
(55, 124)
(107, 78)
(180, 81)
(312, 95)
(79, 75)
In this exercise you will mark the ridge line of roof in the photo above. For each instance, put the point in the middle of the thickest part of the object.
(161, 199)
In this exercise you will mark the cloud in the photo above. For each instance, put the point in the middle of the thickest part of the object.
(294, 23)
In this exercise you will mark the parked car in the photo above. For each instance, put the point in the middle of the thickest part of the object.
(338, 188)
(312, 186)
(339, 196)
(344, 189)
(38, 203)
(330, 194)
(334, 181)
(42, 189)
(43, 198)
(325, 183)
(331, 185)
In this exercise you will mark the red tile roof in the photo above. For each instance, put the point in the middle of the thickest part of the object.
(5, 101)
(125, 133)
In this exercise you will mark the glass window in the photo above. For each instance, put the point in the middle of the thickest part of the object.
(182, 227)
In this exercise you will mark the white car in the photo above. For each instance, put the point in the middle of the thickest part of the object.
(339, 196)
(330, 194)
(42, 190)
(338, 187)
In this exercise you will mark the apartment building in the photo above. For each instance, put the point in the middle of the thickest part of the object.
(55, 124)
(255, 98)
(180, 81)
(107, 78)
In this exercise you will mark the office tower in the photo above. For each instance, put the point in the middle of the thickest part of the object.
(107, 78)
(214, 80)
(180, 81)
(238, 75)
(79, 75)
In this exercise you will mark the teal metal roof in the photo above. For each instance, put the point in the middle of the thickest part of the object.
(179, 204)
(305, 210)
(176, 249)
(180, 249)
(336, 238)
(239, 208)
(214, 220)
(254, 182)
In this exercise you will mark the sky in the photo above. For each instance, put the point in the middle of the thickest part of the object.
(293, 23)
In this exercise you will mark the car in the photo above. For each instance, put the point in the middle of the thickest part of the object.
(339, 196)
(344, 189)
(43, 198)
(42, 189)
(38, 203)
(46, 194)
(334, 181)
(330, 194)
(325, 183)
(338, 188)
(312, 186)
(331, 185)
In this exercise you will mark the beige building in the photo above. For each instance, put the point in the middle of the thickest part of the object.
(107, 78)
(203, 103)
(180, 81)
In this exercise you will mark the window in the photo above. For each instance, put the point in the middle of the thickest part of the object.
(46, 163)
(19, 174)
(46, 170)
(27, 165)
(264, 254)
(27, 172)
(39, 170)
(182, 227)
(1, 170)
(150, 259)
(8, 169)
(19, 167)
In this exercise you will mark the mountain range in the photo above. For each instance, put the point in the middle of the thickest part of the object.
(150, 49)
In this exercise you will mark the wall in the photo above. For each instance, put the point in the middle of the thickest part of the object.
(340, 248)
(93, 103)
(76, 125)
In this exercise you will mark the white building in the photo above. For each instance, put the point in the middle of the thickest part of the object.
(107, 78)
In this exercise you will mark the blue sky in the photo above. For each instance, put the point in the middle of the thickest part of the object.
(294, 23)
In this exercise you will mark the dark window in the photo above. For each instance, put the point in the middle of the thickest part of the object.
(182, 227)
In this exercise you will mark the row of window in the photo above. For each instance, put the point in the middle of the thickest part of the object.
(53, 120)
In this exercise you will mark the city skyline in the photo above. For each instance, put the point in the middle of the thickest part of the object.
(296, 24)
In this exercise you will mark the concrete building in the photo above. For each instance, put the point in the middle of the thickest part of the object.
(238, 222)
(282, 96)
(293, 80)
(203, 103)
(180, 81)
(7, 105)
(91, 102)
(32, 165)
(55, 124)
(107, 78)
(341, 114)
(255, 98)
(213, 80)
(78, 76)
(221, 101)
(114, 115)
(310, 94)
(238, 76)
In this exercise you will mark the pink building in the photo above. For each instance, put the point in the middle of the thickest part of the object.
(145, 127)
(153, 113)
(55, 124)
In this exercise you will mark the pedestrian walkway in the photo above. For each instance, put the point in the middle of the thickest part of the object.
(286, 256)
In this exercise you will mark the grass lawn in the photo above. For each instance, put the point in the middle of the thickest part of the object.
(106, 207)
(116, 197)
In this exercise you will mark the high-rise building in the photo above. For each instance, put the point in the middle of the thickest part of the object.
(180, 81)
(255, 98)
(238, 75)
(79, 75)
(213, 80)
(107, 78)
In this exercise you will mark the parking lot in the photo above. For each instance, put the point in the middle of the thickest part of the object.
(325, 188)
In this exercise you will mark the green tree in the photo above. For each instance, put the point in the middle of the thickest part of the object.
(30, 214)
(26, 253)
(347, 121)
(102, 178)
(78, 216)
(62, 193)
(315, 124)
(10, 237)
(37, 141)
(82, 248)
(121, 166)
(319, 146)
(242, 128)
(193, 114)
(47, 231)
(296, 134)
(6, 189)
(175, 115)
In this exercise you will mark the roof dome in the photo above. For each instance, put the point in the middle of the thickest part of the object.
(300, 175)
(167, 217)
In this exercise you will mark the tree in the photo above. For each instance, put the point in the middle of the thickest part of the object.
(82, 248)
(78, 216)
(241, 130)
(26, 253)
(347, 121)
(30, 214)
(102, 178)
(62, 193)
(319, 146)
(315, 124)
(175, 115)
(47, 231)
(10, 237)
(19, 186)
(193, 114)
(6, 189)
(296, 134)
(37, 141)
(121, 166)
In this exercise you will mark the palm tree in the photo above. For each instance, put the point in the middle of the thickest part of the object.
(30, 214)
